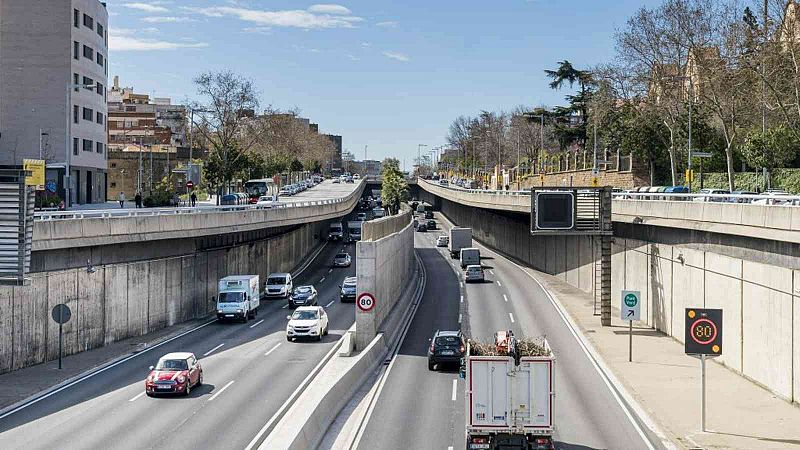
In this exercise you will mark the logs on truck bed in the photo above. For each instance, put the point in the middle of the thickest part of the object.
(524, 346)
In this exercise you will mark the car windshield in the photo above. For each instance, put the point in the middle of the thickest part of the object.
(447, 340)
(276, 280)
(341, 256)
(172, 364)
(302, 290)
(231, 297)
(349, 284)
(305, 315)
(265, 199)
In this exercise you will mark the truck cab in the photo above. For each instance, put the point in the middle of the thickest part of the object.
(335, 231)
(470, 257)
(354, 230)
(238, 298)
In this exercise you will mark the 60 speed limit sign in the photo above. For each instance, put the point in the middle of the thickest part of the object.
(366, 302)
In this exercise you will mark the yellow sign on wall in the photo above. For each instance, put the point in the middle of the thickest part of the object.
(36, 167)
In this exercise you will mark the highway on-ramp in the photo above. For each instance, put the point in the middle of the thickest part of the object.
(418, 408)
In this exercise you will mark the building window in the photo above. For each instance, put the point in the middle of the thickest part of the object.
(99, 88)
(75, 143)
(88, 145)
(76, 112)
(88, 52)
(88, 81)
(99, 117)
(88, 114)
(100, 58)
(88, 21)
(76, 79)
(113, 185)
(76, 50)
(99, 147)
(113, 165)
(100, 30)
(76, 18)
(130, 109)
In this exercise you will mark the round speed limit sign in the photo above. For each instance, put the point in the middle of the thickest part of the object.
(365, 302)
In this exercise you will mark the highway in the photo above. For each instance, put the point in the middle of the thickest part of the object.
(422, 409)
(250, 370)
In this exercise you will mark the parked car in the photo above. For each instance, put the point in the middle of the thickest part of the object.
(287, 191)
(229, 200)
(442, 241)
(738, 196)
(711, 192)
(303, 296)
(278, 285)
(337, 180)
(342, 260)
(307, 321)
(356, 176)
(474, 272)
(446, 347)
(265, 200)
(175, 373)
(429, 214)
(422, 228)
(775, 197)
(361, 216)
(431, 224)
(348, 289)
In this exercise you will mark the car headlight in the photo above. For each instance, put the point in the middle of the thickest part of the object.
(219, 311)
(181, 379)
(238, 310)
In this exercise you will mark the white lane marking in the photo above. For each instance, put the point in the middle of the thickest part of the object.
(330, 270)
(462, 299)
(461, 283)
(92, 374)
(505, 298)
(450, 448)
(459, 318)
(213, 349)
(498, 283)
(491, 272)
(285, 306)
(511, 316)
(329, 304)
(455, 389)
(323, 279)
(137, 397)
(221, 390)
(256, 324)
(272, 349)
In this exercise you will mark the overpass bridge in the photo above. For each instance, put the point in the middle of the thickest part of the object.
(741, 257)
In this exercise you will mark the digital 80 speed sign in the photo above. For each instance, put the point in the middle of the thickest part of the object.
(703, 332)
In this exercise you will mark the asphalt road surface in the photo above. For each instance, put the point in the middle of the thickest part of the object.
(250, 370)
(417, 408)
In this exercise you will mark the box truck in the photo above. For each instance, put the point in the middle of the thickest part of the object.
(238, 297)
(460, 237)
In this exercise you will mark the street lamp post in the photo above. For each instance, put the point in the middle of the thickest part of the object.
(419, 156)
(68, 139)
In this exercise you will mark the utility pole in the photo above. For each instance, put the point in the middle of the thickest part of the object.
(691, 101)
(764, 70)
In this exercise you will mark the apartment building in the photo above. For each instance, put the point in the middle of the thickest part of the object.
(45, 48)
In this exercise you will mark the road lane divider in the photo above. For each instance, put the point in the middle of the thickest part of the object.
(331, 303)
(322, 280)
(505, 298)
(272, 349)
(221, 390)
(462, 299)
(511, 316)
(256, 324)
(213, 349)
(138, 396)
(498, 283)
(455, 389)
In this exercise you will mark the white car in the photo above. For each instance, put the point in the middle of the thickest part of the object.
(474, 272)
(442, 241)
(307, 321)
(278, 285)
(356, 176)
(265, 200)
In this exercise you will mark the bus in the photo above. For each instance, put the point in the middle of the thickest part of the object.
(259, 188)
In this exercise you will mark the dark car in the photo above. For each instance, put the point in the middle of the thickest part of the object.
(303, 296)
(431, 224)
(447, 347)
(349, 289)
(422, 227)
(429, 214)
(229, 199)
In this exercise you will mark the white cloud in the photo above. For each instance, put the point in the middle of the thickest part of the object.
(387, 24)
(167, 19)
(366, 44)
(129, 40)
(287, 18)
(153, 7)
(352, 57)
(258, 30)
(330, 9)
(397, 56)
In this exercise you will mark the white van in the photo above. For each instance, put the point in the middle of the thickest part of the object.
(470, 257)
(278, 285)
(238, 297)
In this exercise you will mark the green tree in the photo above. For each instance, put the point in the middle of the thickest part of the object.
(773, 149)
(567, 131)
(394, 189)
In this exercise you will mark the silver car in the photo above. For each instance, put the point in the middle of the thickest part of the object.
(342, 260)
(473, 273)
(303, 296)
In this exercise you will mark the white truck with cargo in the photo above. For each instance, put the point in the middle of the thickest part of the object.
(460, 237)
(335, 231)
(354, 230)
(238, 297)
(509, 394)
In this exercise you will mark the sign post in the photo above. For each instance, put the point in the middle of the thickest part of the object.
(61, 314)
(630, 309)
(703, 339)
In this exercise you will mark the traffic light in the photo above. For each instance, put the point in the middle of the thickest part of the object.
(703, 332)
(555, 210)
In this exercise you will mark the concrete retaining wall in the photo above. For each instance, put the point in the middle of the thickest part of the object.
(124, 300)
(384, 267)
(376, 229)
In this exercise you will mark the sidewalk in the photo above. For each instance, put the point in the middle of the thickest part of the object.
(666, 383)
(23, 383)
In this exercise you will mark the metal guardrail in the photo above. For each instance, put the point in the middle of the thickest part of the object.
(174, 211)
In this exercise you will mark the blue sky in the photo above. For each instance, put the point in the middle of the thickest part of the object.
(381, 73)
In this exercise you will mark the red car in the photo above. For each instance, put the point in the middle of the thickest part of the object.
(175, 373)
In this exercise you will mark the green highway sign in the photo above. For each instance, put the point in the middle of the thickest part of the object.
(630, 306)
